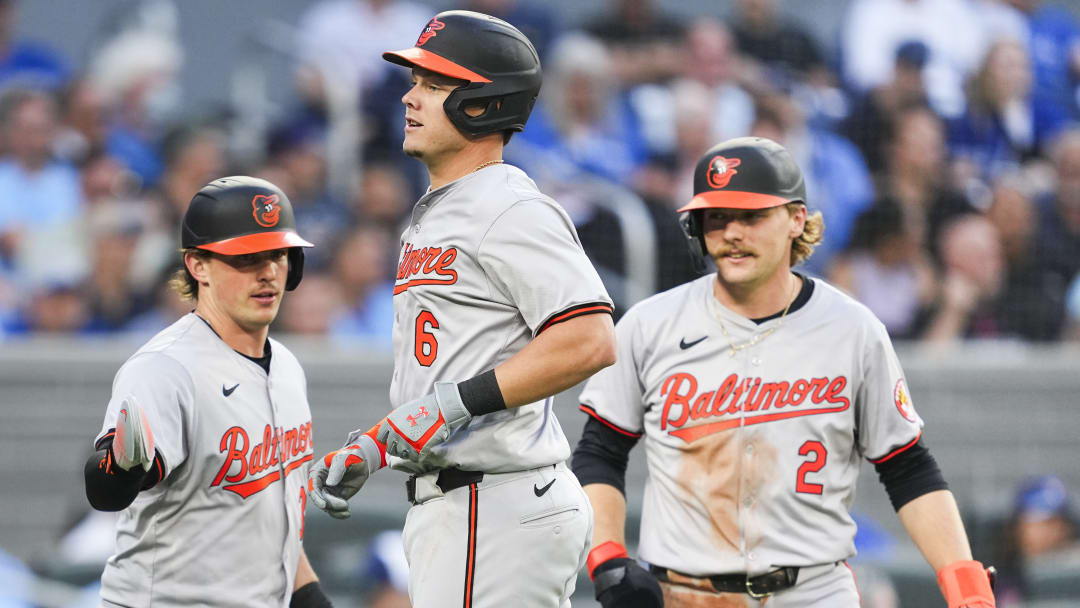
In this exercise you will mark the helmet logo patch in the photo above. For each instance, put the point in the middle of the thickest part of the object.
(721, 170)
(266, 210)
(430, 31)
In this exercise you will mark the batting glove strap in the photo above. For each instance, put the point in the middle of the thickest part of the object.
(411, 429)
(622, 583)
(602, 553)
(967, 584)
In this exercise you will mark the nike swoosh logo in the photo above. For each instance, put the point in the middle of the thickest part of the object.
(541, 491)
(228, 391)
(683, 344)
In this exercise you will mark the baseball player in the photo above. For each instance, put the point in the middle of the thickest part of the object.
(496, 309)
(759, 391)
(207, 437)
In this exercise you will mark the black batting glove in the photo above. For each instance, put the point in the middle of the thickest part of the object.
(619, 581)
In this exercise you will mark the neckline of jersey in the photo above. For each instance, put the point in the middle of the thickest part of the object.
(801, 300)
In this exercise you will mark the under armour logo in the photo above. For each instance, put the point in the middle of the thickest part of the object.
(420, 413)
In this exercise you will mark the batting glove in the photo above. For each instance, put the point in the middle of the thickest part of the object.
(339, 475)
(619, 581)
(133, 444)
(410, 430)
(966, 584)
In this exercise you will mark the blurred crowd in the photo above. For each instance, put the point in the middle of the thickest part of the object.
(938, 137)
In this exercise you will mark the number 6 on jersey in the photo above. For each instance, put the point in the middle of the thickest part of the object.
(427, 347)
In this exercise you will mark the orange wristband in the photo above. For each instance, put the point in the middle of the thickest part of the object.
(602, 553)
(965, 583)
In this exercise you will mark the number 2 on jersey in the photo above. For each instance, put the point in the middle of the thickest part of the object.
(813, 465)
(426, 346)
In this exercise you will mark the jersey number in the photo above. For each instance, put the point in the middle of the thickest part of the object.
(813, 465)
(427, 347)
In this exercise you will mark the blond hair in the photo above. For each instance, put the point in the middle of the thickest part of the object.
(802, 246)
(181, 282)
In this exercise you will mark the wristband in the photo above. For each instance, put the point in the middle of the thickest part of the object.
(310, 596)
(603, 552)
(481, 394)
(966, 583)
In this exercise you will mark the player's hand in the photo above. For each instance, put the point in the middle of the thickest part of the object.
(619, 581)
(339, 475)
(966, 584)
(410, 430)
(133, 444)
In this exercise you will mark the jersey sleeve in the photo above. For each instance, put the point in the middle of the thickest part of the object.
(532, 256)
(888, 423)
(614, 396)
(165, 392)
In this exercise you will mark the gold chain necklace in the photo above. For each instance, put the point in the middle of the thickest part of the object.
(758, 338)
(487, 164)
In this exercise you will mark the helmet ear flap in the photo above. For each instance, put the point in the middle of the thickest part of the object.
(296, 268)
(695, 237)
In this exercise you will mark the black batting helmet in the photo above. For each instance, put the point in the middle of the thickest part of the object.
(498, 63)
(742, 173)
(239, 215)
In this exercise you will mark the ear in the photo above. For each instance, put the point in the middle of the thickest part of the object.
(798, 220)
(198, 266)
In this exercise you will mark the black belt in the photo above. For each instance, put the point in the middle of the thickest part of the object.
(755, 586)
(449, 479)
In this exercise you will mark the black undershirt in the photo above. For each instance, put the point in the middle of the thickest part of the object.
(800, 300)
(263, 361)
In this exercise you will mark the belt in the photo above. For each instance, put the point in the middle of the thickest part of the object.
(754, 586)
(449, 479)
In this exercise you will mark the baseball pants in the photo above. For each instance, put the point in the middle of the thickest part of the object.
(512, 539)
(828, 586)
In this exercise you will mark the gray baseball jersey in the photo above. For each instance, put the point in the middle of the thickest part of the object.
(487, 263)
(224, 526)
(752, 457)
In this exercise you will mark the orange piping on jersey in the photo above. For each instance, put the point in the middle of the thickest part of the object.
(292, 465)
(470, 556)
(897, 450)
(576, 312)
(257, 485)
(855, 581)
(415, 282)
(694, 433)
(590, 411)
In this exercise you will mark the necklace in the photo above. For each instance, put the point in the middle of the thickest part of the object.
(487, 164)
(758, 338)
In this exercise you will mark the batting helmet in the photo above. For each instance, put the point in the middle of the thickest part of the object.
(742, 173)
(498, 63)
(239, 215)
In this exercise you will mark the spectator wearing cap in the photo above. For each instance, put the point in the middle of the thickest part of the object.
(26, 64)
(875, 110)
(1040, 537)
(387, 571)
